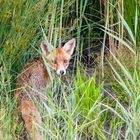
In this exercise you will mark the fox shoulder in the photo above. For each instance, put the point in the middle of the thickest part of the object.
(33, 72)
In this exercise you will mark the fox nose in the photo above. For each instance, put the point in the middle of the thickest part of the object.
(62, 72)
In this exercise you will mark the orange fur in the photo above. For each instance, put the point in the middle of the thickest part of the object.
(30, 114)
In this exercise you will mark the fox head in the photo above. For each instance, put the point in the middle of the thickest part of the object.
(59, 58)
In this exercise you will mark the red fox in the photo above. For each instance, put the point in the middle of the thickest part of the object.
(35, 76)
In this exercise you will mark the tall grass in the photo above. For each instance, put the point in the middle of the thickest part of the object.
(82, 105)
(124, 63)
(71, 113)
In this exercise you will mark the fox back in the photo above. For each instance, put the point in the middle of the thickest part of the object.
(33, 76)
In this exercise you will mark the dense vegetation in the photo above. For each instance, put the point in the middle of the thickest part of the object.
(100, 96)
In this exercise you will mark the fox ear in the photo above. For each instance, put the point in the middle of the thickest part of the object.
(44, 48)
(69, 46)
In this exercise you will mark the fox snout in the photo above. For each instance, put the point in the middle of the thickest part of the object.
(61, 71)
(61, 66)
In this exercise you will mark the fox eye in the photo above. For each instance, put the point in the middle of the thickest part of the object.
(54, 61)
(65, 60)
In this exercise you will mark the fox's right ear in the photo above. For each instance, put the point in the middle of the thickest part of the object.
(44, 48)
(69, 46)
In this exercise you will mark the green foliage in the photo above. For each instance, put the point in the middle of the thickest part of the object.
(88, 94)
(85, 109)
(132, 14)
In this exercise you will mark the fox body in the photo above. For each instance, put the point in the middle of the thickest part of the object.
(34, 76)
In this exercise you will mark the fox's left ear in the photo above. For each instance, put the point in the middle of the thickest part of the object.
(69, 46)
(44, 48)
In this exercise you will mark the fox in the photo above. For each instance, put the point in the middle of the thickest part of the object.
(35, 75)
